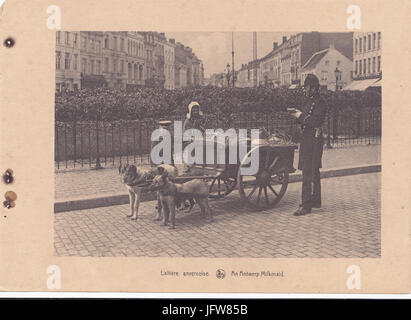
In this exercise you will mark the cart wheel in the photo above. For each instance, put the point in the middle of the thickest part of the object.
(266, 188)
(222, 185)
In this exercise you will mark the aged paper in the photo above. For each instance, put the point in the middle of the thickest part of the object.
(84, 85)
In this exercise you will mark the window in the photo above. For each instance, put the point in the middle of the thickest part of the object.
(58, 60)
(83, 65)
(373, 65)
(338, 62)
(373, 40)
(122, 66)
(356, 67)
(91, 66)
(75, 40)
(67, 61)
(75, 62)
(83, 43)
(98, 67)
(360, 44)
(106, 43)
(98, 46)
(106, 65)
(365, 43)
(115, 43)
(379, 40)
(369, 65)
(369, 42)
(327, 62)
(121, 44)
(58, 35)
(324, 75)
(365, 66)
(115, 65)
(360, 70)
(379, 64)
(129, 71)
(67, 39)
(356, 46)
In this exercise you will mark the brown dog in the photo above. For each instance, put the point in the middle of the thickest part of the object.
(171, 194)
(135, 179)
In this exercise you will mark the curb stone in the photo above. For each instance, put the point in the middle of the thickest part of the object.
(94, 201)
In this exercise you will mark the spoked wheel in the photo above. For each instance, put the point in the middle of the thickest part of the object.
(222, 185)
(265, 188)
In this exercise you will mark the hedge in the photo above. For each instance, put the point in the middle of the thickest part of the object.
(156, 103)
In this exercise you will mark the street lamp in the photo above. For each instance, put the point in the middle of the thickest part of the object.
(337, 74)
(228, 74)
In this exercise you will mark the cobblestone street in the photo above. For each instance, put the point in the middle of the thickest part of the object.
(347, 226)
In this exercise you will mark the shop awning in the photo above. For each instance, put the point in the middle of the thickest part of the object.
(361, 85)
(376, 84)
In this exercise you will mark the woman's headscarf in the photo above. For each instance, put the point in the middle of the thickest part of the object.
(190, 106)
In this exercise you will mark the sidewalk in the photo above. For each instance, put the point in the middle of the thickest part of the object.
(71, 185)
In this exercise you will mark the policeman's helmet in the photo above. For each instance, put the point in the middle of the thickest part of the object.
(312, 81)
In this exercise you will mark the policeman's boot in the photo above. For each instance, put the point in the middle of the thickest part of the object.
(302, 211)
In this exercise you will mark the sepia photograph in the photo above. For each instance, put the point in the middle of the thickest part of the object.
(217, 144)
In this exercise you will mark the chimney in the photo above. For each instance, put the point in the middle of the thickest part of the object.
(275, 45)
(284, 39)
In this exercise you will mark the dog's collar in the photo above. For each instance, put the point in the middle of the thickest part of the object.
(140, 182)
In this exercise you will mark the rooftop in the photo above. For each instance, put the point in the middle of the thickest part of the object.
(315, 59)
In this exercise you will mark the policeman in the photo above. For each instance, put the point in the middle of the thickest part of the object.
(311, 146)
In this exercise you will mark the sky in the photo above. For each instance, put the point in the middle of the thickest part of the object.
(214, 48)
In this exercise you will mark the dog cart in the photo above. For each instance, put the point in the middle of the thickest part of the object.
(260, 191)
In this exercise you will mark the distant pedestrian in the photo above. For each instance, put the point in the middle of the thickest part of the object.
(311, 147)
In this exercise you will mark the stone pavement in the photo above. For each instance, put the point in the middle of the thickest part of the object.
(347, 226)
(84, 183)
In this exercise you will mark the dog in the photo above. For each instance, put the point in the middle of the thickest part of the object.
(135, 179)
(171, 194)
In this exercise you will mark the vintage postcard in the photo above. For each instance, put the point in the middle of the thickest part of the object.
(205, 146)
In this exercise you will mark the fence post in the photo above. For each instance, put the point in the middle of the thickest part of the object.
(98, 164)
(74, 137)
(328, 128)
(335, 123)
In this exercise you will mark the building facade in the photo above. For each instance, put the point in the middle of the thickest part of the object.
(282, 66)
(249, 75)
(125, 59)
(68, 72)
(169, 63)
(324, 63)
(91, 59)
(271, 68)
(367, 55)
(134, 67)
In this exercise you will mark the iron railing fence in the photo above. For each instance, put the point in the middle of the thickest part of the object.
(96, 144)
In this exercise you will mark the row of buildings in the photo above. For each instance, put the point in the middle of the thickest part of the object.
(124, 59)
(339, 60)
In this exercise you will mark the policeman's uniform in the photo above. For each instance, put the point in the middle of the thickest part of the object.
(311, 150)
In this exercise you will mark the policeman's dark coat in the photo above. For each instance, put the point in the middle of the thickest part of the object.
(311, 147)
